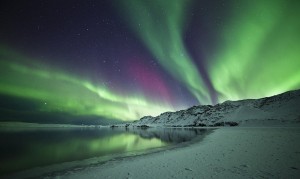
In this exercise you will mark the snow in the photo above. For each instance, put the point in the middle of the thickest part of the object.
(276, 110)
(226, 153)
(254, 149)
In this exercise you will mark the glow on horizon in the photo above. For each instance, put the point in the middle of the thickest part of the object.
(62, 92)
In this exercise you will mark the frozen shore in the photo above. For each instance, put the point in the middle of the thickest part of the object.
(253, 152)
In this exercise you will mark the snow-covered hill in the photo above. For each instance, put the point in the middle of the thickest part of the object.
(282, 109)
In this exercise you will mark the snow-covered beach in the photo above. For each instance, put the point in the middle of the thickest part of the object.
(240, 152)
(266, 143)
(262, 142)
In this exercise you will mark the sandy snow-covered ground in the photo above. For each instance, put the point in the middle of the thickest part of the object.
(226, 153)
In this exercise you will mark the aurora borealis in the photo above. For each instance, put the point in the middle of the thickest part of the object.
(124, 59)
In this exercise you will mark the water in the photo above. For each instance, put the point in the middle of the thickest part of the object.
(26, 150)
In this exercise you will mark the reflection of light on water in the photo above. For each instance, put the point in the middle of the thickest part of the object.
(127, 142)
(80, 148)
(47, 147)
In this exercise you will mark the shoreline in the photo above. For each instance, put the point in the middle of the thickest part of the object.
(126, 156)
(239, 152)
(62, 168)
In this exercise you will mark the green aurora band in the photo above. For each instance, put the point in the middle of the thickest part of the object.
(61, 92)
(258, 53)
(165, 41)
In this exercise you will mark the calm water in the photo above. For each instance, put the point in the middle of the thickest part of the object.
(28, 149)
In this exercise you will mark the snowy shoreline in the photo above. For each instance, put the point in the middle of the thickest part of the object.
(271, 152)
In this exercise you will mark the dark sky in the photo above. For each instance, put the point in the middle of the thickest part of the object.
(126, 59)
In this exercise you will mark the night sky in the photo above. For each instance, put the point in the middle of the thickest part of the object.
(89, 61)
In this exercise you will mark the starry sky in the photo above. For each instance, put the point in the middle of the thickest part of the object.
(90, 61)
